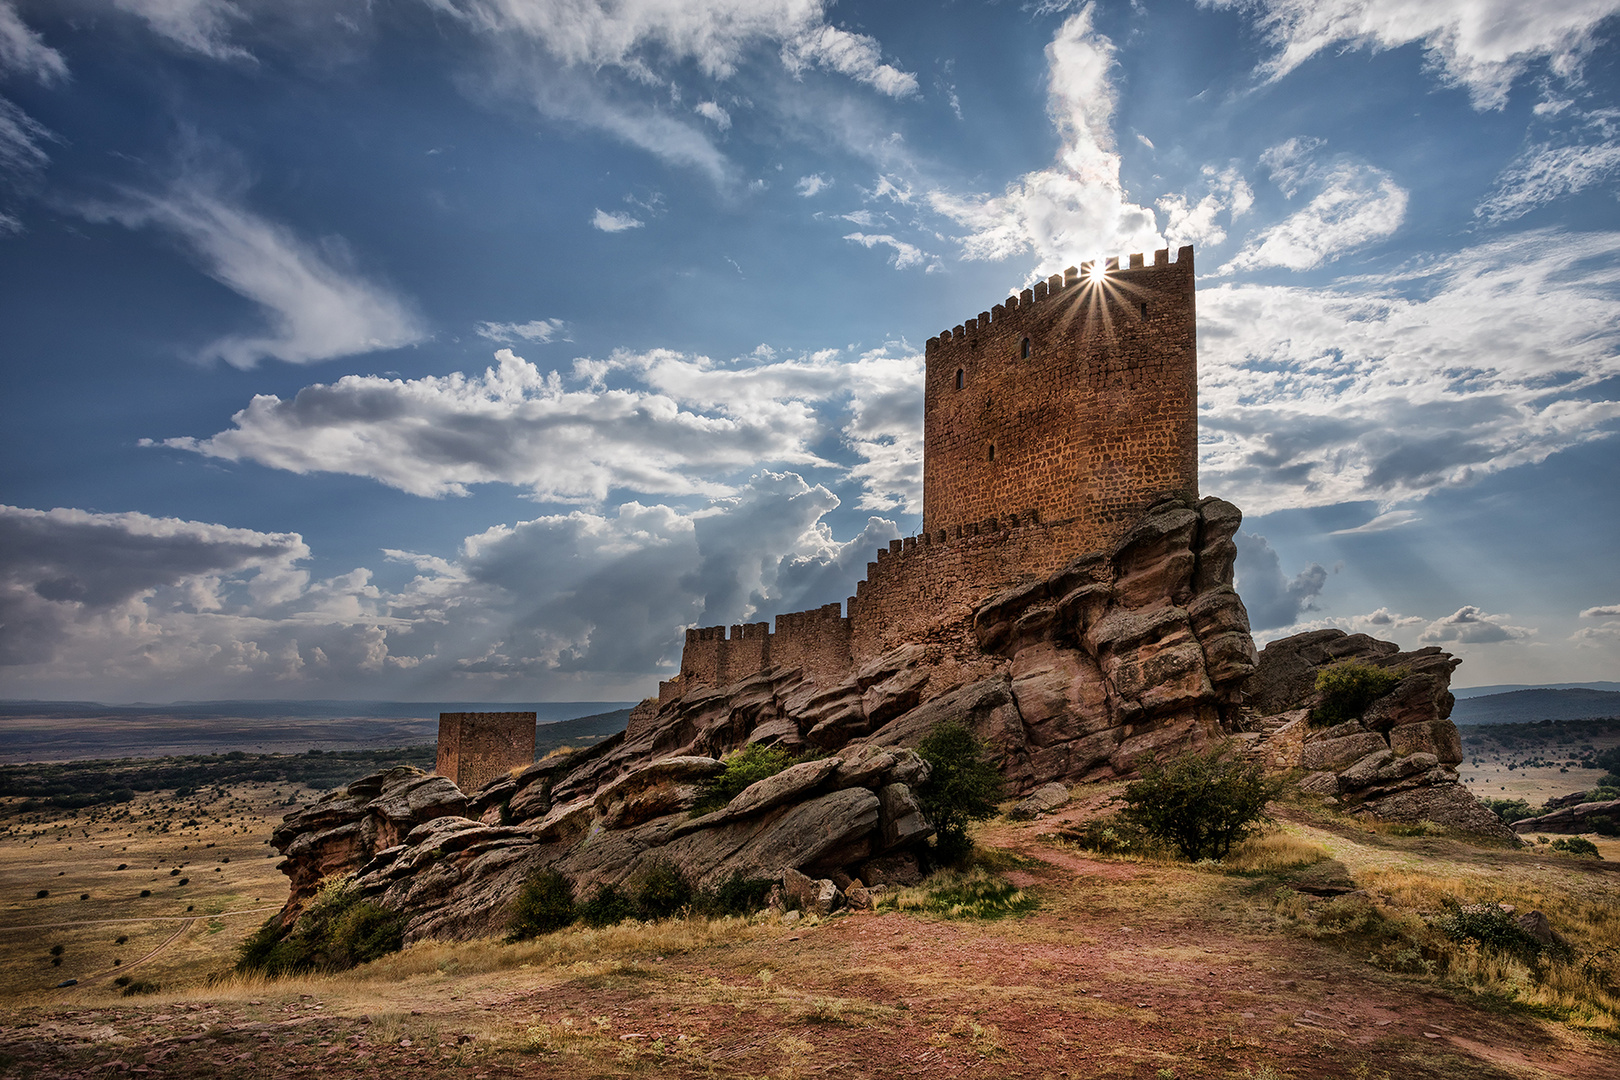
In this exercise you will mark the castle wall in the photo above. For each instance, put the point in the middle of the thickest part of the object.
(1086, 388)
(1094, 423)
(477, 747)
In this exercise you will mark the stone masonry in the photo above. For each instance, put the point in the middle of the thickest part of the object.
(477, 747)
(1050, 423)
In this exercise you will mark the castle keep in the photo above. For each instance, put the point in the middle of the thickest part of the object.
(477, 747)
(1050, 422)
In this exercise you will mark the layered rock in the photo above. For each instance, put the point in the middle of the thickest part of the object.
(346, 828)
(1599, 817)
(1397, 761)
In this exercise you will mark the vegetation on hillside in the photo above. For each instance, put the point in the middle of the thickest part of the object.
(743, 768)
(1200, 803)
(336, 931)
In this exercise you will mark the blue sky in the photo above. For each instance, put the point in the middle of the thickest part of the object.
(471, 349)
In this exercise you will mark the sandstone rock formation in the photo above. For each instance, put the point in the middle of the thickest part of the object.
(1396, 762)
(1119, 657)
(1600, 817)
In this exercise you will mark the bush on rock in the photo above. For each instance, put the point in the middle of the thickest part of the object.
(963, 786)
(1344, 691)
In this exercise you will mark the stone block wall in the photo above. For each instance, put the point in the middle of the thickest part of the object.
(477, 747)
(1077, 399)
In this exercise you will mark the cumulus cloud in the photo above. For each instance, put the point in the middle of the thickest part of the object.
(904, 254)
(23, 50)
(1272, 597)
(813, 184)
(318, 306)
(1077, 208)
(617, 221)
(684, 428)
(1471, 626)
(1585, 155)
(569, 605)
(1602, 611)
(1392, 386)
(1480, 45)
(541, 330)
(1355, 205)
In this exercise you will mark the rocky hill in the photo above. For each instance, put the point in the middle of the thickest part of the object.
(1134, 654)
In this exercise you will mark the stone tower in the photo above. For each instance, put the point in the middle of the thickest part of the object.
(477, 747)
(1077, 400)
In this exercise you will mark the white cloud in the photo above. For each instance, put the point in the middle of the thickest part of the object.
(573, 605)
(318, 306)
(1386, 388)
(712, 112)
(1392, 519)
(541, 330)
(20, 139)
(1195, 223)
(688, 426)
(1481, 45)
(855, 55)
(1471, 626)
(1356, 204)
(1077, 208)
(1547, 171)
(813, 184)
(618, 221)
(202, 26)
(1602, 611)
(1145, 141)
(23, 50)
(904, 254)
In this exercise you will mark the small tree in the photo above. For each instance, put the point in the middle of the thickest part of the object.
(962, 787)
(1344, 691)
(1202, 803)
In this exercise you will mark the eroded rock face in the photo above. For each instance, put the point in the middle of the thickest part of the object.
(1397, 761)
(346, 828)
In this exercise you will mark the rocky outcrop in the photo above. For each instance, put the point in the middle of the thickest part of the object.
(347, 828)
(1397, 761)
(1120, 655)
(1599, 817)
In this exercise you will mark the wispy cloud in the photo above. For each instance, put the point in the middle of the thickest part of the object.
(541, 330)
(1389, 387)
(318, 306)
(1227, 193)
(813, 184)
(1393, 519)
(1480, 45)
(905, 254)
(1355, 205)
(200, 26)
(23, 50)
(1586, 154)
(616, 221)
(712, 112)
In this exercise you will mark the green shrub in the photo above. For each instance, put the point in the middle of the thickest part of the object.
(1345, 690)
(663, 892)
(962, 787)
(1200, 803)
(141, 987)
(736, 895)
(335, 932)
(605, 906)
(1576, 845)
(742, 768)
(1510, 810)
(544, 904)
(1491, 927)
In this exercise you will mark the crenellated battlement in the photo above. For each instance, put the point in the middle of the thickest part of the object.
(1050, 423)
(1020, 306)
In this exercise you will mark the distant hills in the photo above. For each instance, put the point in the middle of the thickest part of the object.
(546, 711)
(1526, 706)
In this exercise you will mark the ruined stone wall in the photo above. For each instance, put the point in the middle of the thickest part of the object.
(1077, 399)
(922, 581)
(815, 640)
(477, 747)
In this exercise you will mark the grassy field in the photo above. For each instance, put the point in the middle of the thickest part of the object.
(1311, 952)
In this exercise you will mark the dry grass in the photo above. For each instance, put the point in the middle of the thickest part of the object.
(1272, 851)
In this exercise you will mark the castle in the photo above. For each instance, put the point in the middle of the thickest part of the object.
(1050, 422)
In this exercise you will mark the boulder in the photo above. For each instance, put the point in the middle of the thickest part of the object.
(811, 896)
(899, 869)
(1042, 800)
(901, 821)
(1335, 754)
(791, 784)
